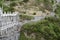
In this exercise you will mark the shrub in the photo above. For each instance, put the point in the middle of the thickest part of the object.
(26, 17)
(46, 29)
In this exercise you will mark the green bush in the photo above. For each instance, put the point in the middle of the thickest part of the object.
(13, 4)
(26, 17)
(8, 9)
(1, 2)
(48, 29)
(25, 1)
(57, 11)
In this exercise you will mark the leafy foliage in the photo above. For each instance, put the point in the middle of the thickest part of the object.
(6, 9)
(57, 11)
(1, 2)
(25, 1)
(26, 17)
(49, 29)
(13, 4)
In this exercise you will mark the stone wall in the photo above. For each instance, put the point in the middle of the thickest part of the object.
(9, 25)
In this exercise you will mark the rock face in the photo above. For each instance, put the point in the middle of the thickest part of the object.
(9, 26)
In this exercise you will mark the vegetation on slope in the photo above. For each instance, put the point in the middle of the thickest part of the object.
(48, 29)
(26, 17)
(47, 4)
(1, 3)
(57, 11)
(8, 5)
